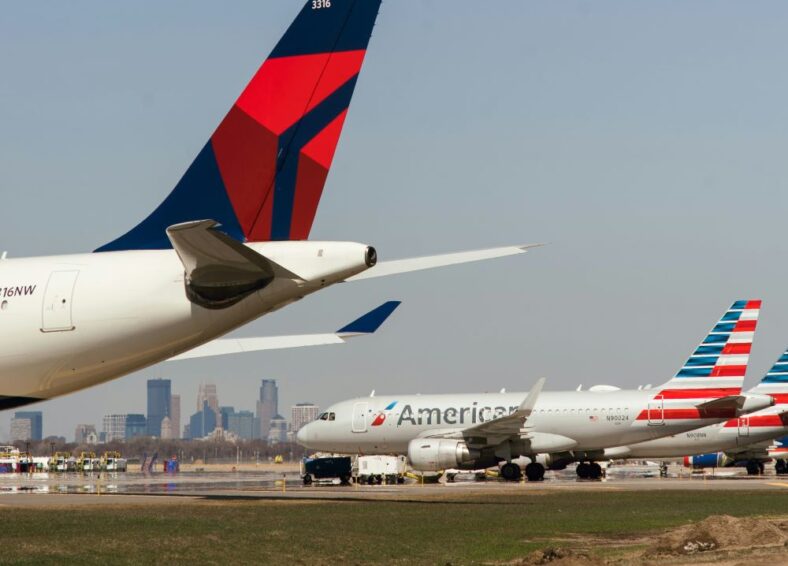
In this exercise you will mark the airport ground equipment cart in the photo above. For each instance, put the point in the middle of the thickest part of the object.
(335, 467)
(379, 469)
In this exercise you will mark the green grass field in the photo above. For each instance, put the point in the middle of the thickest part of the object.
(471, 530)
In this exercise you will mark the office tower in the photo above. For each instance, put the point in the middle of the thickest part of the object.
(225, 413)
(159, 397)
(202, 423)
(21, 429)
(243, 424)
(301, 414)
(267, 406)
(166, 428)
(136, 425)
(175, 415)
(207, 394)
(84, 433)
(278, 431)
(114, 427)
(36, 423)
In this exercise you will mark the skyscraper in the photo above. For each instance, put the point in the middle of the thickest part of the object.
(114, 427)
(202, 423)
(301, 414)
(159, 398)
(21, 429)
(175, 415)
(36, 423)
(267, 406)
(136, 425)
(207, 394)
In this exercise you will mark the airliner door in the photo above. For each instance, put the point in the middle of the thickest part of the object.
(656, 411)
(744, 426)
(56, 310)
(360, 417)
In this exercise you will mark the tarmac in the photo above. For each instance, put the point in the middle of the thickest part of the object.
(47, 489)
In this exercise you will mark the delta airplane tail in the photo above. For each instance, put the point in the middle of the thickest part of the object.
(262, 172)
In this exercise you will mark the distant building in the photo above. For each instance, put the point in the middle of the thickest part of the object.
(36, 423)
(159, 398)
(243, 424)
(166, 428)
(207, 394)
(267, 406)
(114, 427)
(224, 416)
(301, 414)
(82, 432)
(175, 415)
(277, 433)
(202, 423)
(136, 426)
(21, 429)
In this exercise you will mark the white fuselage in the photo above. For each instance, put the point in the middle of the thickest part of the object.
(733, 435)
(582, 421)
(69, 322)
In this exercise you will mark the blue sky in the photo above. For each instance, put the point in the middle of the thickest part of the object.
(645, 141)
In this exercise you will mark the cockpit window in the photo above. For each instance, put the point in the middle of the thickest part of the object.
(323, 417)
(332, 416)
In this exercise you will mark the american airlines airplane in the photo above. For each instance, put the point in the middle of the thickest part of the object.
(472, 431)
(228, 244)
(742, 441)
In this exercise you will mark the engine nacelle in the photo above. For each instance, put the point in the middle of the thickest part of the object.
(714, 460)
(435, 454)
(555, 460)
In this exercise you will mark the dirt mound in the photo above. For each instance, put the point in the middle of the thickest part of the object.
(719, 532)
(557, 556)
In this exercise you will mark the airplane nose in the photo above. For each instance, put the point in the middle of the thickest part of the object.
(302, 435)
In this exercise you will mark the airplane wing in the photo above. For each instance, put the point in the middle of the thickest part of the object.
(363, 326)
(393, 267)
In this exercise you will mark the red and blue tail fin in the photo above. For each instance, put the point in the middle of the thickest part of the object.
(262, 172)
(718, 365)
(775, 382)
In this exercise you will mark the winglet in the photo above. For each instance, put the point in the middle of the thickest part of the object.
(528, 404)
(371, 321)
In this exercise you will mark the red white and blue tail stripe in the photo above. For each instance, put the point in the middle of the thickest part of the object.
(720, 362)
(716, 368)
(775, 382)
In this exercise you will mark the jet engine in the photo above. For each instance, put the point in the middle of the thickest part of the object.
(435, 454)
(713, 460)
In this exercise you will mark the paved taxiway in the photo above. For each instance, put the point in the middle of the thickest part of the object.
(138, 488)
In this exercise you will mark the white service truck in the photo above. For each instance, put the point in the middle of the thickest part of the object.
(379, 469)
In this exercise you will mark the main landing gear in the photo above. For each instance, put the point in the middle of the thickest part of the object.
(533, 472)
(781, 467)
(511, 472)
(589, 471)
(754, 468)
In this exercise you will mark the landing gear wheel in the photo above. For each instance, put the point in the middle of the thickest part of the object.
(307, 479)
(753, 468)
(345, 480)
(534, 472)
(583, 471)
(780, 467)
(511, 472)
(596, 471)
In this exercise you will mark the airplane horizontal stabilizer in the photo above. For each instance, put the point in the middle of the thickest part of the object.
(363, 326)
(220, 271)
(394, 267)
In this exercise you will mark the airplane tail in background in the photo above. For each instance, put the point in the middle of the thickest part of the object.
(775, 382)
(262, 172)
(718, 366)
